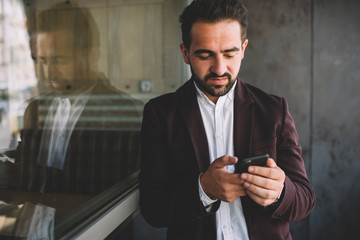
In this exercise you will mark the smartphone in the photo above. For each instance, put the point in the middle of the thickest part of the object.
(259, 160)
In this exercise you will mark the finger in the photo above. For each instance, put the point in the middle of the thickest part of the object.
(269, 172)
(240, 192)
(262, 182)
(260, 192)
(234, 188)
(232, 192)
(234, 179)
(224, 161)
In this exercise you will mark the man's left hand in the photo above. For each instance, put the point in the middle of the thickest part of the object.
(264, 184)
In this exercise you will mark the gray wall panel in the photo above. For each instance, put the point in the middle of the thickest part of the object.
(335, 160)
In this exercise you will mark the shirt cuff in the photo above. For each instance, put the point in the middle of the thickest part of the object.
(205, 199)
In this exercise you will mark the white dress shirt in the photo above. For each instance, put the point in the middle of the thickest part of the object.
(218, 121)
(59, 124)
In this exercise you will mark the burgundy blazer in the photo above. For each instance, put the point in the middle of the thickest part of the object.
(175, 151)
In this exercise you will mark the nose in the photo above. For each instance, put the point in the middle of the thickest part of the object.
(48, 69)
(219, 65)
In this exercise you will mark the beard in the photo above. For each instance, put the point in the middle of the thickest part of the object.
(213, 90)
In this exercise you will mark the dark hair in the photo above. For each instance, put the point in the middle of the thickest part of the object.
(212, 11)
(70, 17)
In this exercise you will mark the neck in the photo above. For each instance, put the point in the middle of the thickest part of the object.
(211, 98)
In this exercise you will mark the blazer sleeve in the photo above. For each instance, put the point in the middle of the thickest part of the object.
(298, 197)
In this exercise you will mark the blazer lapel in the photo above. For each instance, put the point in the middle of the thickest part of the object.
(243, 119)
(190, 111)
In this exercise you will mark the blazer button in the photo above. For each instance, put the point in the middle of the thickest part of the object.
(277, 216)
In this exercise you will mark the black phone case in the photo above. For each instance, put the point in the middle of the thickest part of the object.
(259, 160)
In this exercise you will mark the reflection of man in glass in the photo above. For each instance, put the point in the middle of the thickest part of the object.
(67, 49)
(80, 135)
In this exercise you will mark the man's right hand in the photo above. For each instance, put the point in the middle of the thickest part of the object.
(220, 184)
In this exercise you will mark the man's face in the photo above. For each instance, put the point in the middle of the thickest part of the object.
(59, 63)
(215, 56)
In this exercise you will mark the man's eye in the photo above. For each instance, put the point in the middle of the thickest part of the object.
(204, 56)
(230, 55)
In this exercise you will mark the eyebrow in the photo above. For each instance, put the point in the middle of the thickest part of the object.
(234, 49)
(200, 51)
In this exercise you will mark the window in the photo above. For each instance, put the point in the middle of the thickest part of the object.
(74, 76)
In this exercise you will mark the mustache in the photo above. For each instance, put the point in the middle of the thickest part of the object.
(214, 75)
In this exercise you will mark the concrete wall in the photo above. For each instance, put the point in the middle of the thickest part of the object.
(336, 120)
(309, 52)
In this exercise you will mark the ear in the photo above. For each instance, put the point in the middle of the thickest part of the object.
(243, 47)
(185, 53)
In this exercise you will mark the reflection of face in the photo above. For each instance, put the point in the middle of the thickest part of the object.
(215, 56)
(61, 65)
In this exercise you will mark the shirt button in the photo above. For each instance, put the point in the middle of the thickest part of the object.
(224, 227)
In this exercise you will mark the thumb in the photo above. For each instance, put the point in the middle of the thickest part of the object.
(224, 161)
(271, 163)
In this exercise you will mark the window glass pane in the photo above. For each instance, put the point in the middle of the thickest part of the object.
(74, 76)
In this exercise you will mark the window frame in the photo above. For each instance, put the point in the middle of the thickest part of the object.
(101, 222)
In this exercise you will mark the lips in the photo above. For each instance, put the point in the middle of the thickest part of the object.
(218, 81)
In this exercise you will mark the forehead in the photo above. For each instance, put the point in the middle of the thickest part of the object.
(55, 43)
(220, 35)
